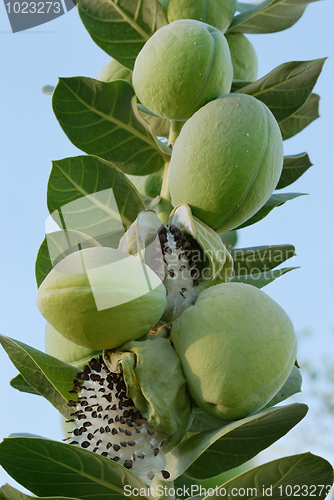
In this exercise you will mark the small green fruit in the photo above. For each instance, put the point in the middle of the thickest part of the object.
(227, 161)
(237, 348)
(148, 185)
(113, 70)
(218, 13)
(59, 347)
(244, 58)
(181, 67)
(101, 297)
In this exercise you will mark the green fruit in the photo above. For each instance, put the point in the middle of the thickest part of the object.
(101, 297)
(237, 348)
(227, 161)
(218, 13)
(59, 347)
(149, 185)
(244, 58)
(181, 67)
(113, 70)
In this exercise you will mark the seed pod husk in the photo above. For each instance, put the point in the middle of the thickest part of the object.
(237, 348)
(101, 297)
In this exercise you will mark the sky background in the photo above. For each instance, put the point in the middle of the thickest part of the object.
(31, 138)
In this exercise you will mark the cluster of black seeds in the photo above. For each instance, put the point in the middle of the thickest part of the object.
(108, 423)
(181, 274)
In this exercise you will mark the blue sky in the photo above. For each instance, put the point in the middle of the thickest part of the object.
(31, 138)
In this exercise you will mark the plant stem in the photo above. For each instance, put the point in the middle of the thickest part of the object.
(175, 129)
(163, 489)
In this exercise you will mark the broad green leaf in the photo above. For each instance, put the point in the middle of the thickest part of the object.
(121, 27)
(59, 244)
(259, 280)
(102, 119)
(49, 468)
(286, 88)
(22, 385)
(7, 492)
(294, 167)
(302, 476)
(232, 444)
(291, 386)
(49, 376)
(275, 200)
(268, 16)
(259, 259)
(90, 195)
(305, 115)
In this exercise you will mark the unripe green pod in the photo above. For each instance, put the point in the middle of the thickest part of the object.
(237, 348)
(181, 67)
(227, 161)
(59, 347)
(218, 13)
(113, 70)
(244, 58)
(101, 297)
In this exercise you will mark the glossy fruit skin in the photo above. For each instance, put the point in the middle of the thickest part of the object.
(181, 67)
(244, 58)
(237, 348)
(218, 13)
(59, 347)
(227, 161)
(111, 299)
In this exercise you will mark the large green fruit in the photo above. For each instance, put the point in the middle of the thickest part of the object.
(244, 58)
(59, 347)
(227, 161)
(181, 67)
(237, 348)
(218, 13)
(101, 298)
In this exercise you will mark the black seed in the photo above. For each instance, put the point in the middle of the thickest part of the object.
(109, 445)
(102, 389)
(108, 397)
(104, 454)
(182, 294)
(114, 431)
(80, 417)
(117, 418)
(171, 273)
(141, 455)
(156, 451)
(94, 414)
(128, 464)
(95, 377)
(74, 442)
(168, 250)
(116, 447)
(115, 459)
(69, 421)
(110, 421)
(99, 408)
(90, 436)
(122, 420)
(102, 430)
(123, 443)
(150, 475)
(85, 444)
(107, 429)
(149, 432)
(126, 413)
(95, 449)
(128, 421)
(131, 443)
(98, 442)
(127, 432)
(165, 474)
(121, 429)
(71, 403)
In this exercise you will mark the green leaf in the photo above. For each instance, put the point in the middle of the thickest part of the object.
(94, 197)
(121, 27)
(49, 376)
(7, 492)
(291, 386)
(259, 259)
(275, 200)
(294, 167)
(232, 444)
(305, 115)
(22, 385)
(259, 280)
(48, 468)
(286, 88)
(304, 475)
(59, 244)
(268, 16)
(102, 119)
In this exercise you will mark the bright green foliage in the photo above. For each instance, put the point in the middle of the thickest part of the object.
(244, 58)
(237, 348)
(101, 297)
(227, 161)
(218, 13)
(183, 66)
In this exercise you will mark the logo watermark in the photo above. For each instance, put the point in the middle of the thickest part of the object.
(26, 14)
